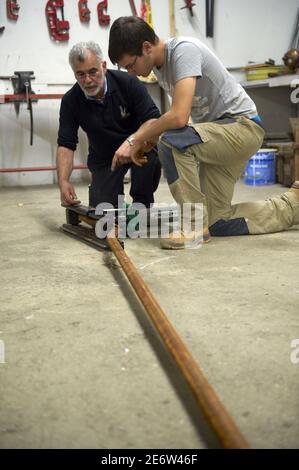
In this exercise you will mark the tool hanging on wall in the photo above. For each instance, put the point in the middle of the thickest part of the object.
(189, 5)
(58, 29)
(104, 19)
(209, 18)
(172, 26)
(133, 7)
(143, 10)
(84, 11)
(146, 15)
(12, 9)
(295, 38)
(21, 82)
(146, 12)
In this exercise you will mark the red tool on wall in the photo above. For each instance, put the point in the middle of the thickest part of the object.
(12, 9)
(104, 19)
(143, 10)
(58, 28)
(189, 5)
(84, 11)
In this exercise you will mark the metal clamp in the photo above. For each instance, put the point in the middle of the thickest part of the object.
(59, 29)
(104, 19)
(84, 11)
(12, 9)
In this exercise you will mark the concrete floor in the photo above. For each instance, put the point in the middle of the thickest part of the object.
(84, 367)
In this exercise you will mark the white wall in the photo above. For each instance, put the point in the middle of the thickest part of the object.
(244, 30)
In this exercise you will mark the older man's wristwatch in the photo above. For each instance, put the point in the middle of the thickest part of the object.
(131, 140)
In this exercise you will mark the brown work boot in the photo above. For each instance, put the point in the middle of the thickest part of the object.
(180, 240)
(294, 190)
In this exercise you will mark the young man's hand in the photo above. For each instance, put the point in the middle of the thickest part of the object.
(68, 195)
(127, 153)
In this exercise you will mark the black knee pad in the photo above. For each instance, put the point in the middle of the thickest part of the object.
(168, 163)
(229, 228)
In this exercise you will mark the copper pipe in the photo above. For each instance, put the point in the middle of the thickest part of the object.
(38, 168)
(221, 422)
(87, 220)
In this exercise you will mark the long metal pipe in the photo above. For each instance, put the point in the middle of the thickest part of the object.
(221, 422)
(38, 168)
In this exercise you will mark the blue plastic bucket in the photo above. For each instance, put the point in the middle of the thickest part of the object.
(260, 169)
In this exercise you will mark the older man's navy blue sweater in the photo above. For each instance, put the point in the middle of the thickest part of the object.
(107, 124)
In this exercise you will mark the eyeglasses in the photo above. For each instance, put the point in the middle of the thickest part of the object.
(129, 66)
(82, 75)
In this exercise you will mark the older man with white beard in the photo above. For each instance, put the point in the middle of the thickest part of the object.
(109, 106)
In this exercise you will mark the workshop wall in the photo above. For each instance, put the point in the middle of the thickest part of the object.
(243, 30)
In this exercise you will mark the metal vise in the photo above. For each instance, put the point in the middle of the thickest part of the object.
(21, 82)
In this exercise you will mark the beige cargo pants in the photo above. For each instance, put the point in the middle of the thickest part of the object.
(206, 172)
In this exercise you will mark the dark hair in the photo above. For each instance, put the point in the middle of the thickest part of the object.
(127, 35)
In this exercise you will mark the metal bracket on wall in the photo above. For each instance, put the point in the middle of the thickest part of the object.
(59, 29)
(104, 19)
(84, 11)
(12, 9)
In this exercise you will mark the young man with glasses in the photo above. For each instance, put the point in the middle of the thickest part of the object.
(226, 131)
(109, 106)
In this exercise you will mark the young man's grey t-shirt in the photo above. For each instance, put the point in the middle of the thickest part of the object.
(217, 93)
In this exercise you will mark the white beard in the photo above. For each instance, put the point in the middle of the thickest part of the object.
(91, 92)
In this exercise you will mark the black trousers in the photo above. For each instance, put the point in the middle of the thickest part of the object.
(107, 185)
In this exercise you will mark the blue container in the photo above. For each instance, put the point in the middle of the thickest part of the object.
(260, 169)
